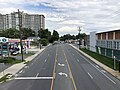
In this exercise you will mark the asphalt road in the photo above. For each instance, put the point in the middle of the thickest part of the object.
(36, 75)
(87, 75)
(63, 75)
(60, 67)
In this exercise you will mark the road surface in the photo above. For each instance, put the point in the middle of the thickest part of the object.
(60, 67)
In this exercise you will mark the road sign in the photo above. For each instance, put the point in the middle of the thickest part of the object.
(3, 39)
(5, 50)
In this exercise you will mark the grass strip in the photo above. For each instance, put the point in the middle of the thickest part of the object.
(4, 78)
(101, 58)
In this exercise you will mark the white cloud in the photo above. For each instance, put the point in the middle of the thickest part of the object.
(69, 14)
(73, 22)
(55, 19)
(67, 29)
(7, 11)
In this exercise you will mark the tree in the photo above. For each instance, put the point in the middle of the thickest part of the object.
(55, 36)
(67, 37)
(44, 34)
(27, 32)
(44, 41)
(80, 36)
(11, 33)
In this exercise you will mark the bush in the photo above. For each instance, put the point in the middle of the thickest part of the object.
(9, 60)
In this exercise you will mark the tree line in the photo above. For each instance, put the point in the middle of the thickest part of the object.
(73, 37)
(44, 34)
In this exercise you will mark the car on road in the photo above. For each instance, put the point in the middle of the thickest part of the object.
(14, 52)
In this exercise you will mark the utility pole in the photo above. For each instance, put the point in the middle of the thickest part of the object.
(79, 35)
(40, 38)
(20, 26)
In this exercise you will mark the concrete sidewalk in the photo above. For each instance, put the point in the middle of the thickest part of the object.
(16, 67)
(111, 71)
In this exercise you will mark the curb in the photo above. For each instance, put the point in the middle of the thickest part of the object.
(30, 58)
(109, 70)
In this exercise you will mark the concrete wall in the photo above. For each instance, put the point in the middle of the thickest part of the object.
(93, 41)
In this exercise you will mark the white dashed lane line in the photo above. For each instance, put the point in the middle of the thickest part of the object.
(45, 60)
(37, 74)
(90, 75)
(21, 71)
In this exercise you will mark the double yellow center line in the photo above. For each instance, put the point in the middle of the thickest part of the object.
(54, 72)
(70, 73)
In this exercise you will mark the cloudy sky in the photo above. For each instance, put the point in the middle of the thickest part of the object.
(66, 16)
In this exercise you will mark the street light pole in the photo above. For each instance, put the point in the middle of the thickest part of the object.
(40, 39)
(20, 25)
(79, 35)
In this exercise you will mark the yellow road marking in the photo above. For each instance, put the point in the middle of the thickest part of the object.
(71, 76)
(54, 72)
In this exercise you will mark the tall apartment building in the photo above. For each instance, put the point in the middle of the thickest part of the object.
(108, 43)
(1, 22)
(32, 21)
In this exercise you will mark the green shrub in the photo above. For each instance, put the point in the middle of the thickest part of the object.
(44, 41)
(9, 60)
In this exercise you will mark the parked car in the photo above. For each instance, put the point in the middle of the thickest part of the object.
(14, 52)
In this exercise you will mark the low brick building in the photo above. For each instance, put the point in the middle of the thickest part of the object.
(108, 43)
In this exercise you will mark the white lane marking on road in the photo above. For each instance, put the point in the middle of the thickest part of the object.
(21, 71)
(98, 70)
(97, 66)
(61, 64)
(32, 78)
(61, 74)
(73, 54)
(37, 74)
(45, 60)
(90, 75)
(16, 75)
(103, 71)
(78, 60)
(26, 66)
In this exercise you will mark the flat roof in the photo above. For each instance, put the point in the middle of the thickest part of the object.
(108, 31)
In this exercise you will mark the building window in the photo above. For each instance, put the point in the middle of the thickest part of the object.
(98, 43)
(119, 45)
(115, 44)
(109, 44)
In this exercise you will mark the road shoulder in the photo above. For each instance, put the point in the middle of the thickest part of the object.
(111, 71)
